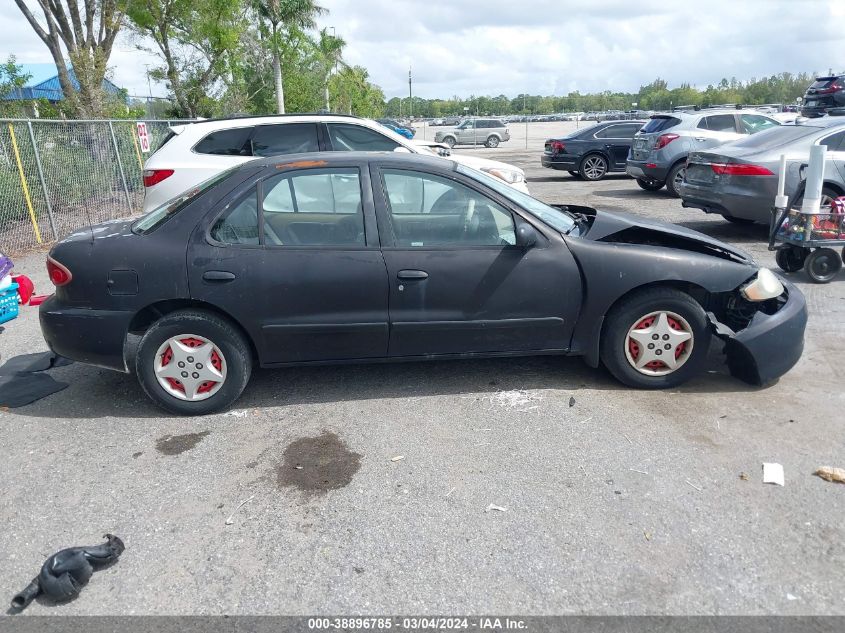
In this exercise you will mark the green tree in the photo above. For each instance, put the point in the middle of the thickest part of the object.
(194, 41)
(330, 48)
(293, 14)
(87, 31)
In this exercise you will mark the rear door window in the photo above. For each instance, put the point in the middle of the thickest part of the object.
(753, 123)
(285, 138)
(624, 130)
(357, 138)
(320, 207)
(834, 142)
(231, 142)
(718, 123)
(660, 124)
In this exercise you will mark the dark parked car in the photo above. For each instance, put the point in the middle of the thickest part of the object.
(739, 180)
(824, 93)
(325, 258)
(594, 151)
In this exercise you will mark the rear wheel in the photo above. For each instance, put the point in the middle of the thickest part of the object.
(650, 185)
(822, 265)
(492, 141)
(791, 259)
(740, 221)
(593, 167)
(655, 339)
(192, 362)
(675, 178)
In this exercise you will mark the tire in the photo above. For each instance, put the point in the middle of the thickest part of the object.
(790, 259)
(574, 174)
(822, 265)
(650, 185)
(593, 167)
(828, 195)
(492, 141)
(229, 356)
(450, 141)
(674, 178)
(641, 312)
(738, 221)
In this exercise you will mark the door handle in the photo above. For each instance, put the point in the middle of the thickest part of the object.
(412, 275)
(700, 139)
(218, 275)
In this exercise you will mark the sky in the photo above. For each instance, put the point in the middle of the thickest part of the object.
(492, 47)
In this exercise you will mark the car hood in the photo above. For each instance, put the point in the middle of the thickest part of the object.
(476, 162)
(626, 228)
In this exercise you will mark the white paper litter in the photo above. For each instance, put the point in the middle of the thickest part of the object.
(773, 474)
(492, 507)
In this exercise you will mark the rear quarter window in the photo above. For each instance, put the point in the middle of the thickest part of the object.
(232, 142)
(659, 124)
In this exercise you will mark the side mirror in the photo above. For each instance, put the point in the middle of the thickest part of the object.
(526, 236)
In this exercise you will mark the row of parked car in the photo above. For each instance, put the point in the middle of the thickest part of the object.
(722, 161)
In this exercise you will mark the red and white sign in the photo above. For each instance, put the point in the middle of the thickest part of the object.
(143, 137)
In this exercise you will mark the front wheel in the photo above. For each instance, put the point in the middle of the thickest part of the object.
(655, 339)
(492, 141)
(650, 185)
(593, 167)
(675, 178)
(449, 141)
(822, 265)
(192, 362)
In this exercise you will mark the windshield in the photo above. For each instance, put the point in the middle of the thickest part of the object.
(162, 214)
(555, 218)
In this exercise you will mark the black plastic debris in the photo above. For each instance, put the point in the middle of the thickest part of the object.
(65, 573)
(22, 384)
(28, 363)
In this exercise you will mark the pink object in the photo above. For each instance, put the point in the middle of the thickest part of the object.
(25, 287)
(37, 300)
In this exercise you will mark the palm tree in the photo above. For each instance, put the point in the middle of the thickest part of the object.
(330, 49)
(286, 13)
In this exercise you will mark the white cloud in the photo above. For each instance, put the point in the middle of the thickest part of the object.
(507, 47)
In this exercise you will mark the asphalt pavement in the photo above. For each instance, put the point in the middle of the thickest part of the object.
(519, 486)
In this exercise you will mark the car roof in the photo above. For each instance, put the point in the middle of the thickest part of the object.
(316, 160)
(252, 119)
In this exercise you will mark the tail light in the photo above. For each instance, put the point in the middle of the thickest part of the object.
(735, 169)
(155, 176)
(557, 147)
(829, 89)
(58, 273)
(664, 139)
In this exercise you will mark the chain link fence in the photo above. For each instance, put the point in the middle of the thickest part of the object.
(57, 176)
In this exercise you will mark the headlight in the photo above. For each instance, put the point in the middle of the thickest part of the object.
(510, 176)
(765, 286)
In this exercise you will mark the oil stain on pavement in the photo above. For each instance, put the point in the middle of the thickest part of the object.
(176, 444)
(316, 465)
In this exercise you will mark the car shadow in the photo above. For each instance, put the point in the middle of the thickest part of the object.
(662, 194)
(98, 393)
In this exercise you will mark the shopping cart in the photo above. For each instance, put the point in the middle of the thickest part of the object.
(807, 240)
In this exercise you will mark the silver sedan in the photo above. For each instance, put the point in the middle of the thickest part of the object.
(739, 180)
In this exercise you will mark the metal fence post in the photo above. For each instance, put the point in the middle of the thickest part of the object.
(120, 166)
(43, 182)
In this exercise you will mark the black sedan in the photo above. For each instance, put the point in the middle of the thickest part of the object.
(352, 257)
(592, 152)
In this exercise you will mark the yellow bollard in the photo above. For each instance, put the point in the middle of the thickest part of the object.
(24, 185)
(137, 151)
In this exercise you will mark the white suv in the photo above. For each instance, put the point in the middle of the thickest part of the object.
(194, 152)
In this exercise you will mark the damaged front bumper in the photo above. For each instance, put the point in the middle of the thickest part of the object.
(770, 345)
